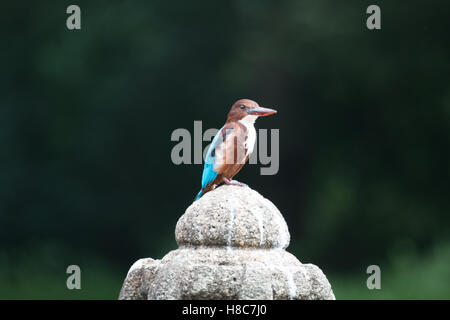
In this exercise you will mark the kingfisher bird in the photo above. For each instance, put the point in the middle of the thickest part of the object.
(232, 145)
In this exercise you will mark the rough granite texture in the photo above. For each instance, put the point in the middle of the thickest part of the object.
(231, 246)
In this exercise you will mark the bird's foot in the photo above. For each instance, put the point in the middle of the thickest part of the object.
(234, 182)
(237, 183)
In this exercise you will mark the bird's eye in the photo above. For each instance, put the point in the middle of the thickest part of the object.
(242, 107)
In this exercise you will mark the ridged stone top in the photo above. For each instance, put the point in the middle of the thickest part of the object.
(232, 216)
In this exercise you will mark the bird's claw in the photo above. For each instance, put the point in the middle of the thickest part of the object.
(237, 183)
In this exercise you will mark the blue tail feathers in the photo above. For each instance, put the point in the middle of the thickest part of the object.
(199, 195)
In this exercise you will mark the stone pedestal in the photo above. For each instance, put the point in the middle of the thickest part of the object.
(231, 246)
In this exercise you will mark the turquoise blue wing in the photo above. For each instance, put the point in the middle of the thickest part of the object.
(208, 170)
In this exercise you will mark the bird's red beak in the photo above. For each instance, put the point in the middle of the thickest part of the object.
(261, 112)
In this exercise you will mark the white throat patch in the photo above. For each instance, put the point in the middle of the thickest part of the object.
(248, 122)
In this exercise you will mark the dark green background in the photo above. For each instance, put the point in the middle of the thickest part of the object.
(86, 117)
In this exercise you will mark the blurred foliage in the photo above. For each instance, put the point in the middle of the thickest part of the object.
(41, 274)
(86, 118)
(406, 276)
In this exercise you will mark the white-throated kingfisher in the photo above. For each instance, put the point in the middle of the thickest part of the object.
(232, 145)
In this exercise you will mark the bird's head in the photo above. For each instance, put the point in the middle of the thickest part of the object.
(246, 109)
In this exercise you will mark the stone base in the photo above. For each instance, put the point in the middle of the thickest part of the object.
(232, 245)
(224, 273)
